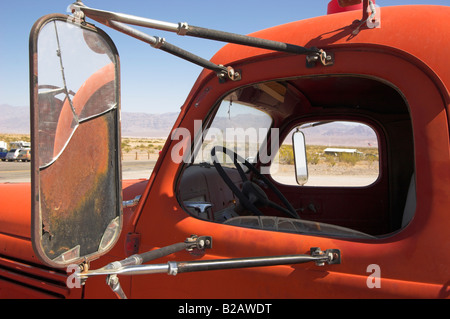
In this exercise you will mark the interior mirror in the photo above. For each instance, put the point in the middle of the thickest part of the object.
(75, 136)
(299, 147)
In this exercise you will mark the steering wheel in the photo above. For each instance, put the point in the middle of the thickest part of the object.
(251, 194)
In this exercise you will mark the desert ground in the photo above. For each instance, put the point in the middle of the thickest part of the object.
(139, 156)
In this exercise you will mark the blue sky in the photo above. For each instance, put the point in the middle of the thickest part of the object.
(152, 80)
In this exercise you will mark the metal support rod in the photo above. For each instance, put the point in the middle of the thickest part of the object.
(160, 43)
(126, 270)
(162, 252)
(223, 36)
(105, 17)
(191, 243)
(331, 256)
(204, 265)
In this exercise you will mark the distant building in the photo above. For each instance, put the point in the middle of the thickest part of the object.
(336, 151)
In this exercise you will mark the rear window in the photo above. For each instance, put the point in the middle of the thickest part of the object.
(339, 153)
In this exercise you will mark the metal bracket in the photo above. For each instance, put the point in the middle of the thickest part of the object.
(78, 16)
(326, 59)
(198, 242)
(131, 202)
(113, 282)
(229, 74)
(201, 207)
(331, 256)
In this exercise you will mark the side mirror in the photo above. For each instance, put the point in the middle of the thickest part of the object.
(75, 136)
(299, 146)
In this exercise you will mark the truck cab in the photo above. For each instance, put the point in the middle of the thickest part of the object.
(337, 156)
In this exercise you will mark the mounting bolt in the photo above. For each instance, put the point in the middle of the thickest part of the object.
(183, 28)
(173, 268)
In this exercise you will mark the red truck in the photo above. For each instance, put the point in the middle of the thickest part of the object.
(310, 160)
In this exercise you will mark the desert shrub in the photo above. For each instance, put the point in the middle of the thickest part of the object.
(313, 159)
(330, 160)
(348, 158)
(286, 155)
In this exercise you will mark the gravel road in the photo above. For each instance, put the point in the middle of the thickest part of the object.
(20, 172)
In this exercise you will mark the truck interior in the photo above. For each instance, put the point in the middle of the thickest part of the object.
(375, 210)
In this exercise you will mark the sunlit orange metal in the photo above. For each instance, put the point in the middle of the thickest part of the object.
(417, 68)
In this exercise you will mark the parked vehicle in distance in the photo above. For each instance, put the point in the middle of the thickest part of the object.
(11, 156)
(24, 155)
(20, 144)
(3, 152)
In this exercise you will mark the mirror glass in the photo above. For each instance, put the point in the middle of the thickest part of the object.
(76, 188)
(299, 148)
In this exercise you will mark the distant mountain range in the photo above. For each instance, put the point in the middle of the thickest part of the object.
(147, 125)
(16, 119)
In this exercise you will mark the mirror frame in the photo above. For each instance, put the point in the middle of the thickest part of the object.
(301, 165)
(36, 218)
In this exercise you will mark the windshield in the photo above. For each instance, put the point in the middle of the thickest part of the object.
(238, 127)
